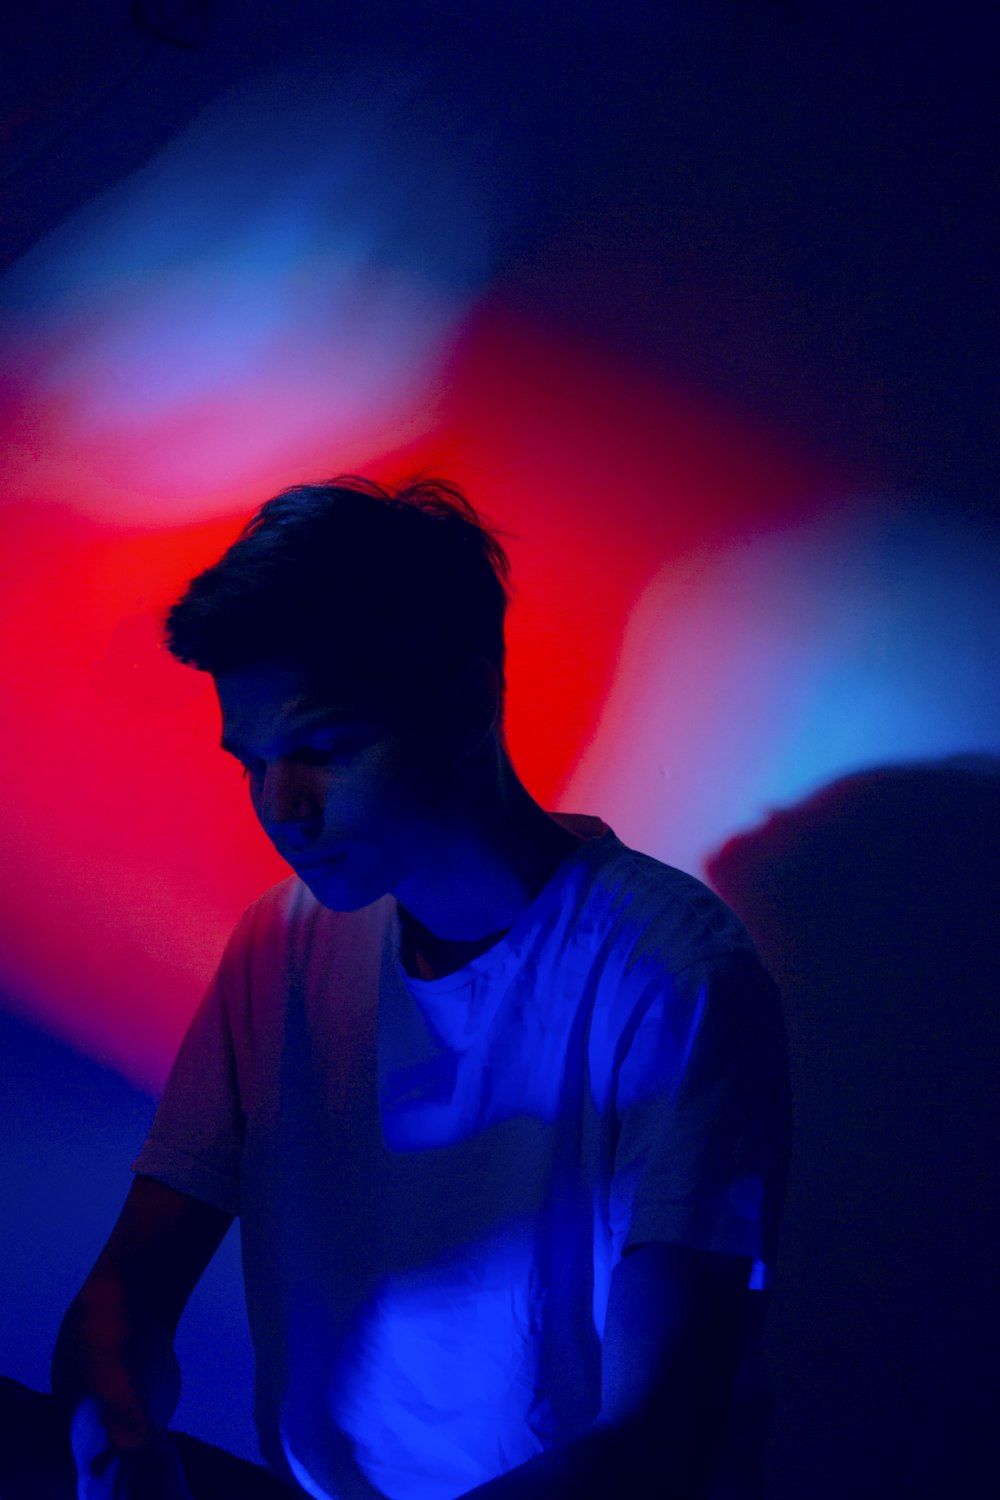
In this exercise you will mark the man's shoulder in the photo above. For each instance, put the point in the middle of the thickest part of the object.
(287, 917)
(275, 912)
(662, 914)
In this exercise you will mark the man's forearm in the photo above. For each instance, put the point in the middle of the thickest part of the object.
(110, 1350)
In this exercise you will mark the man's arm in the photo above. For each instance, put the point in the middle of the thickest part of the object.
(114, 1360)
(670, 1353)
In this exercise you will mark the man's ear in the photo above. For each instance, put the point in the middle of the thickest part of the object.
(474, 701)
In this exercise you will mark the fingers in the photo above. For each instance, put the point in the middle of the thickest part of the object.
(149, 1471)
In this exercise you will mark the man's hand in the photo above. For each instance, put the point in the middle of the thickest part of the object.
(150, 1471)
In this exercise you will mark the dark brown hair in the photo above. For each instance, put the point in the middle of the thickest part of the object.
(387, 587)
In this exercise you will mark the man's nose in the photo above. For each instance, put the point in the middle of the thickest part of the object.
(290, 795)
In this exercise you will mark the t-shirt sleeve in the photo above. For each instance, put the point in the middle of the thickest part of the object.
(196, 1138)
(703, 1115)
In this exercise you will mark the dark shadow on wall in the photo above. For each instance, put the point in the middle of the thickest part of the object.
(876, 905)
(68, 1130)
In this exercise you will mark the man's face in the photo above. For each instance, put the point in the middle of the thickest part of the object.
(353, 792)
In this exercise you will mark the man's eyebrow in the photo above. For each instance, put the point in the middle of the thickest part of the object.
(327, 718)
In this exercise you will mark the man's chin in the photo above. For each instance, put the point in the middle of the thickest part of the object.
(332, 890)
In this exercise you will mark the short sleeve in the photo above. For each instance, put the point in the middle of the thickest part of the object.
(195, 1141)
(703, 1115)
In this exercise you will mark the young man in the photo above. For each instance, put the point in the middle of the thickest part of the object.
(501, 1103)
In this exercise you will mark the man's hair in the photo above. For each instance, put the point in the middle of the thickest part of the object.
(382, 588)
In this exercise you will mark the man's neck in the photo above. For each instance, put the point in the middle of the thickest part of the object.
(484, 871)
(428, 957)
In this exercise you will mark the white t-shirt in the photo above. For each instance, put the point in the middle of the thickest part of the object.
(436, 1178)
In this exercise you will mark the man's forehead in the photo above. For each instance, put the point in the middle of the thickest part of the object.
(286, 697)
(293, 682)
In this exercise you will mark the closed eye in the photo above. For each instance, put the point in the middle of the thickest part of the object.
(322, 755)
(316, 755)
